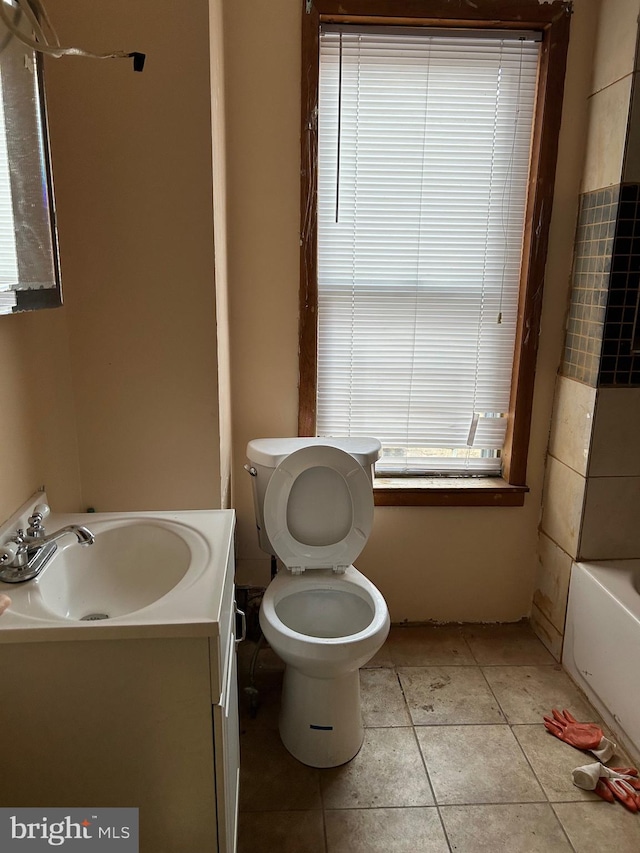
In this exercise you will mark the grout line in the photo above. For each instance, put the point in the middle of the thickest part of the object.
(564, 831)
(380, 808)
(434, 805)
(535, 775)
(526, 757)
(404, 699)
(324, 819)
(416, 728)
(470, 649)
(431, 788)
(273, 811)
(493, 693)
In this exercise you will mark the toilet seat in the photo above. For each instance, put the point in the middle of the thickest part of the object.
(299, 556)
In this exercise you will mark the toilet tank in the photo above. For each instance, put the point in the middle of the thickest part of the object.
(265, 454)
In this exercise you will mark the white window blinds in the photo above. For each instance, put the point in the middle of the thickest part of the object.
(8, 256)
(424, 150)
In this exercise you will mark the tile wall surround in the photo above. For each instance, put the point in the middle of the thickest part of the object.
(606, 138)
(546, 632)
(592, 492)
(552, 581)
(562, 506)
(602, 320)
(615, 50)
(619, 364)
(590, 281)
(572, 423)
(631, 167)
(564, 491)
(615, 445)
(594, 444)
(610, 528)
(592, 487)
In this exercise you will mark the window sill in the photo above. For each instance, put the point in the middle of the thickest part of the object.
(446, 491)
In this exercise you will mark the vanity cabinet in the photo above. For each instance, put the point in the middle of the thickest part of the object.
(148, 720)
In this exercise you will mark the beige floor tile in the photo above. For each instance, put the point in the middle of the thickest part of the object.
(382, 658)
(385, 831)
(477, 764)
(431, 645)
(281, 832)
(446, 695)
(382, 700)
(596, 827)
(527, 693)
(553, 762)
(388, 771)
(506, 644)
(530, 828)
(271, 778)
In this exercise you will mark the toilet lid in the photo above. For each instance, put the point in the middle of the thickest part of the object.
(357, 497)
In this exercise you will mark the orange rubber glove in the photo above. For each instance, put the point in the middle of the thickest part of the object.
(581, 735)
(5, 601)
(626, 790)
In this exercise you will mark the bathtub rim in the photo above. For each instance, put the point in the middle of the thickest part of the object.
(609, 576)
(619, 579)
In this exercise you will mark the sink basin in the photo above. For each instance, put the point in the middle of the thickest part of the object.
(148, 574)
(127, 568)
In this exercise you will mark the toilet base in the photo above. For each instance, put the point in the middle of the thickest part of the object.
(320, 718)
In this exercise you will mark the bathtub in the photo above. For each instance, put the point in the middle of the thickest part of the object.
(602, 643)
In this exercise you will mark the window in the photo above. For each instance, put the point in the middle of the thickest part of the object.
(420, 271)
(29, 276)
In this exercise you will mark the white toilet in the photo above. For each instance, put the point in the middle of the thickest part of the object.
(314, 510)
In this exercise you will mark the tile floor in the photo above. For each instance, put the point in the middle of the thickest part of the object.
(455, 757)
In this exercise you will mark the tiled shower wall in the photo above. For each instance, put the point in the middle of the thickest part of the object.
(602, 324)
(591, 497)
(592, 492)
(620, 362)
(608, 237)
(590, 281)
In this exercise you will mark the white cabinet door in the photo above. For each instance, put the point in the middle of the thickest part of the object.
(227, 757)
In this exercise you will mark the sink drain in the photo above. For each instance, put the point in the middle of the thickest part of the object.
(94, 617)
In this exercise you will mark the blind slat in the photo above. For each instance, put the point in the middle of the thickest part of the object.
(424, 147)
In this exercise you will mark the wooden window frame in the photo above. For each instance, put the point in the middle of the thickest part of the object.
(552, 20)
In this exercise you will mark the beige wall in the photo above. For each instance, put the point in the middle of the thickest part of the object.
(133, 164)
(112, 400)
(37, 427)
(133, 171)
(430, 563)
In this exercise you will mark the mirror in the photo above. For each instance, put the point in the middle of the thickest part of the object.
(29, 268)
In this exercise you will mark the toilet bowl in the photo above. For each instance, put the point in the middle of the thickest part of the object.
(324, 618)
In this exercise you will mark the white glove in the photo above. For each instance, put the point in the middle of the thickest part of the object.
(610, 783)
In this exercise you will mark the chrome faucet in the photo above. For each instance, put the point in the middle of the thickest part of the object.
(25, 555)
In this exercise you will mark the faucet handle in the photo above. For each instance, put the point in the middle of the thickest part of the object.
(35, 529)
(12, 551)
(8, 552)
